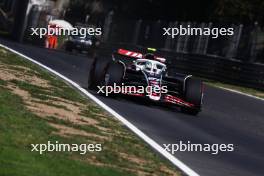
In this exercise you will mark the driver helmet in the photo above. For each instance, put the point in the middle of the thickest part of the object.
(149, 56)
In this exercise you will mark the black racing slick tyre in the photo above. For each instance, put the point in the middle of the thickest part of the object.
(97, 73)
(114, 74)
(194, 95)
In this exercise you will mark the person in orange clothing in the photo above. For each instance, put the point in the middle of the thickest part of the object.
(51, 41)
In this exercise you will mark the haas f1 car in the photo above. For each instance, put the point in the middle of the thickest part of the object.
(136, 70)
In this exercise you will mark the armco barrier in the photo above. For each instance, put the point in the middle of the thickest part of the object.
(206, 66)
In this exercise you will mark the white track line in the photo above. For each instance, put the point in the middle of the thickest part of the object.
(241, 93)
(142, 135)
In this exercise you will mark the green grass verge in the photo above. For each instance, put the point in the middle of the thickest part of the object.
(19, 128)
(123, 153)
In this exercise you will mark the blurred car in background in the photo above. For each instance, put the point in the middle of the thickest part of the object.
(82, 44)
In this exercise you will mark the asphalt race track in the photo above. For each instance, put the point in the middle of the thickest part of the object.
(226, 118)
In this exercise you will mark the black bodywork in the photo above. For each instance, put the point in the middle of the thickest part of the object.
(175, 83)
(183, 90)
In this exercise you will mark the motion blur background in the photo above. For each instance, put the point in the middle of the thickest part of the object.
(238, 59)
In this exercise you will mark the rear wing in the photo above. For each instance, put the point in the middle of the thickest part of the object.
(137, 55)
(128, 53)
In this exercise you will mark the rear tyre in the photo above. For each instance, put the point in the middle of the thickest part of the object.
(97, 73)
(193, 94)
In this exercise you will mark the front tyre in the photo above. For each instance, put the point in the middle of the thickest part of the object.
(97, 73)
(193, 95)
(114, 74)
(113, 79)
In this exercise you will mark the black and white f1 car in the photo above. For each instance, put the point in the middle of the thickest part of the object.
(128, 68)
